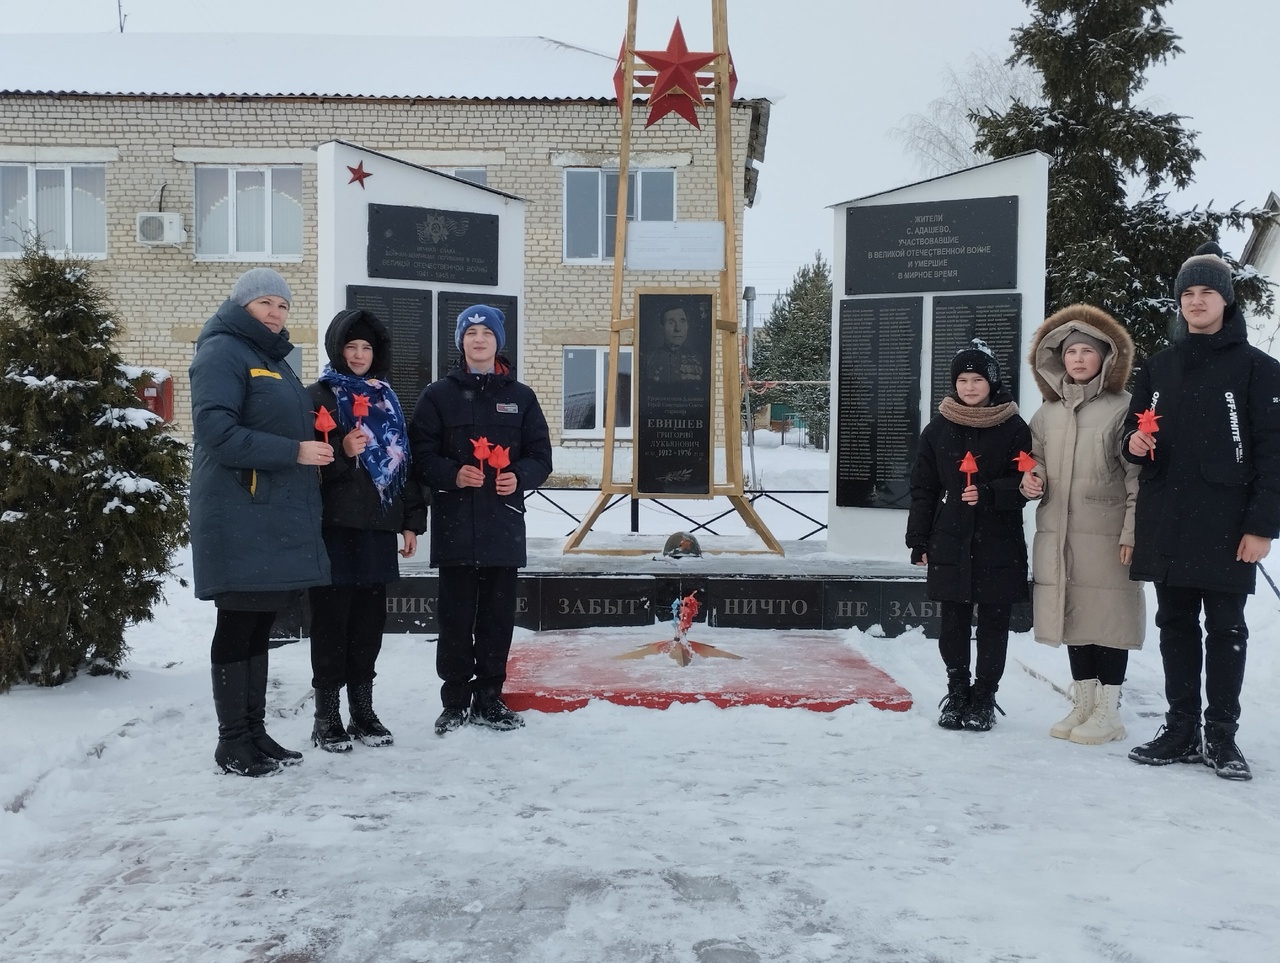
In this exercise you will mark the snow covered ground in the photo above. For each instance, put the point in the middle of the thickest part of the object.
(691, 835)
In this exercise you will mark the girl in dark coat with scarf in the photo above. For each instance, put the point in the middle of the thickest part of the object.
(255, 504)
(965, 524)
(368, 500)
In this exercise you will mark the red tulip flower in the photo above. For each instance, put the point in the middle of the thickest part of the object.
(359, 406)
(1025, 462)
(1147, 422)
(968, 465)
(480, 448)
(325, 422)
(500, 457)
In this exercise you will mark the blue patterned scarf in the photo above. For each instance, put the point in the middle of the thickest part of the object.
(386, 457)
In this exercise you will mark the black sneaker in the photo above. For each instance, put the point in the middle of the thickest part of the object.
(452, 718)
(493, 713)
(1177, 741)
(1226, 759)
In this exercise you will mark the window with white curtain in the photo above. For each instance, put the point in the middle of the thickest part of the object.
(248, 213)
(65, 205)
(591, 205)
(586, 377)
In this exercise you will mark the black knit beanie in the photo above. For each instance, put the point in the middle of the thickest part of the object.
(1206, 267)
(979, 359)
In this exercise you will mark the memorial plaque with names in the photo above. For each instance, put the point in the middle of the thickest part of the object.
(407, 314)
(995, 318)
(878, 400)
(450, 304)
(672, 423)
(968, 245)
(425, 244)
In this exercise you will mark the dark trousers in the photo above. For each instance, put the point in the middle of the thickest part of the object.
(477, 616)
(1100, 662)
(346, 633)
(239, 636)
(1226, 639)
(993, 640)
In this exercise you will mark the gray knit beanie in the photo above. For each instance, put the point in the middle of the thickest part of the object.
(1206, 267)
(1083, 337)
(257, 283)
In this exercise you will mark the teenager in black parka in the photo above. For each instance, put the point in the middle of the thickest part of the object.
(1208, 508)
(968, 530)
(368, 499)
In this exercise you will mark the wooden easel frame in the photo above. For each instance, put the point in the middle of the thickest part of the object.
(725, 332)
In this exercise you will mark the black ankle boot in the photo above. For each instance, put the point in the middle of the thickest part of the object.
(1179, 740)
(328, 732)
(365, 724)
(955, 704)
(981, 715)
(488, 709)
(1222, 755)
(257, 716)
(236, 752)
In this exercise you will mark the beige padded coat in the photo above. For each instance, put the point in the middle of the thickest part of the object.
(1082, 592)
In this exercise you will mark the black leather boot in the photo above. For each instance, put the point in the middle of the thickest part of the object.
(1177, 741)
(488, 709)
(328, 732)
(955, 704)
(981, 715)
(236, 752)
(365, 724)
(1222, 755)
(257, 716)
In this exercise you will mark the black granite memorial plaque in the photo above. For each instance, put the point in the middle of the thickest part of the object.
(850, 604)
(450, 304)
(407, 314)
(411, 604)
(425, 244)
(575, 603)
(995, 318)
(672, 424)
(878, 400)
(764, 603)
(967, 245)
(529, 603)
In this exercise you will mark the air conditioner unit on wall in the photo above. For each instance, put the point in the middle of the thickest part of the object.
(160, 228)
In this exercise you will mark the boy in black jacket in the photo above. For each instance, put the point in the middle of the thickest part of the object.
(1208, 508)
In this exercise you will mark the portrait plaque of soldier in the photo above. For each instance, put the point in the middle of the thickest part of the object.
(674, 364)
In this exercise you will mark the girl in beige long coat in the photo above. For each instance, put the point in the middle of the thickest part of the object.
(1081, 358)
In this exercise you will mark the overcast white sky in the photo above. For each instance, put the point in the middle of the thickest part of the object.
(851, 71)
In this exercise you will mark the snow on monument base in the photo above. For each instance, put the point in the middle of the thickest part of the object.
(562, 671)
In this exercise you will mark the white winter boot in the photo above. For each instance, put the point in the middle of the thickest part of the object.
(1104, 725)
(1084, 693)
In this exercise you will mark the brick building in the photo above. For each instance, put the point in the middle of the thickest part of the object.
(96, 129)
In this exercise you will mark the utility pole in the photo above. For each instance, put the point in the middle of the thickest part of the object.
(121, 16)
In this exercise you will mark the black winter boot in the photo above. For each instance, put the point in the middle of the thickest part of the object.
(981, 714)
(955, 704)
(257, 716)
(365, 724)
(1177, 741)
(453, 717)
(236, 752)
(488, 709)
(328, 732)
(1222, 755)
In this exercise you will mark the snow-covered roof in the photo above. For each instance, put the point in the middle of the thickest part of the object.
(311, 65)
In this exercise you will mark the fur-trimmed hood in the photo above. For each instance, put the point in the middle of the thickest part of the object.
(1046, 359)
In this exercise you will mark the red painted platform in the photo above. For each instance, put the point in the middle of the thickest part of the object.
(564, 670)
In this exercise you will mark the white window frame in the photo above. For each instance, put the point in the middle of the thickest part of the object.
(605, 215)
(602, 377)
(232, 254)
(472, 174)
(68, 226)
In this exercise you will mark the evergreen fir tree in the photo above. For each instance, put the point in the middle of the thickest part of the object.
(795, 346)
(1113, 240)
(92, 488)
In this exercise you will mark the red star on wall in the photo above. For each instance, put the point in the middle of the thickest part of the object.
(358, 174)
(676, 87)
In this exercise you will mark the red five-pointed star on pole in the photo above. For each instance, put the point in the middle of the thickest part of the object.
(676, 87)
(358, 174)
